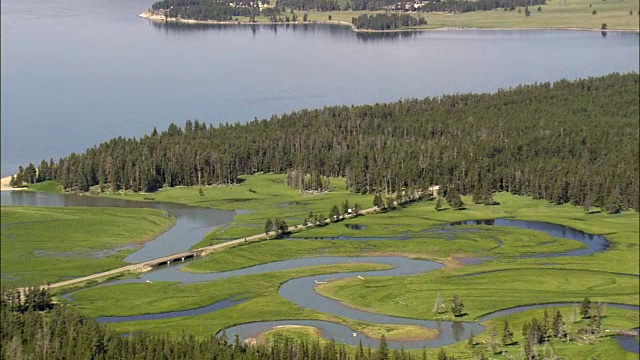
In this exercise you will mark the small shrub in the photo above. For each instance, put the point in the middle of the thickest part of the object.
(594, 12)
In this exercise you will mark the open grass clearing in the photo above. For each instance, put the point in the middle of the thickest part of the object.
(264, 303)
(562, 14)
(414, 296)
(47, 244)
(258, 198)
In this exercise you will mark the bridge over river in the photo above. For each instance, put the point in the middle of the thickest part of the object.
(181, 256)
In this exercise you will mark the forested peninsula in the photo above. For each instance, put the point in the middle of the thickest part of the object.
(566, 142)
(391, 15)
(284, 10)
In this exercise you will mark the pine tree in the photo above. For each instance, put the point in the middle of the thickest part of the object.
(346, 207)
(383, 350)
(612, 205)
(360, 352)
(454, 199)
(585, 309)
(438, 203)
(596, 318)
(458, 307)
(268, 226)
(507, 334)
(357, 208)
(558, 324)
(334, 214)
(378, 201)
(545, 328)
(493, 340)
(478, 197)
(438, 306)
(586, 206)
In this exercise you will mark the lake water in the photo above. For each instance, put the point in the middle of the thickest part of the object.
(79, 72)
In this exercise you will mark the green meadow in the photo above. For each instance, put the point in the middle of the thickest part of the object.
(509, 277)
(260, 197)
(47, 244)
(261, 289)
(557, 14)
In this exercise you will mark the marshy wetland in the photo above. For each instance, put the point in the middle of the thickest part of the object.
(318, 278)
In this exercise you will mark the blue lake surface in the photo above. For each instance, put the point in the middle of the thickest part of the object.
(77, 72)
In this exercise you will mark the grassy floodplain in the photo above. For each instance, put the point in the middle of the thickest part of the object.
(261, 289)
(47, 244)
(258, 197)
(505, 281)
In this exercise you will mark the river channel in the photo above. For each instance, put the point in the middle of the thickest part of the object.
(192, 223)
(76, 73)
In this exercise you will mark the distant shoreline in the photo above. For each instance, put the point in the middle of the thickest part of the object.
(160, 18)
(154, 17)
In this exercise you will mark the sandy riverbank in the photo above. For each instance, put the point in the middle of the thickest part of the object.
(4, 184)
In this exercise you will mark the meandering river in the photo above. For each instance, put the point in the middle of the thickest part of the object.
(300, 291)
(77, 72)
(102, 72)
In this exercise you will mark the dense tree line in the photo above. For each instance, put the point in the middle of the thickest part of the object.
(64, 333)
(227, 10)
(457, 6)
(318, 5)
(387, 21)
(570, 141)
(203, 10)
